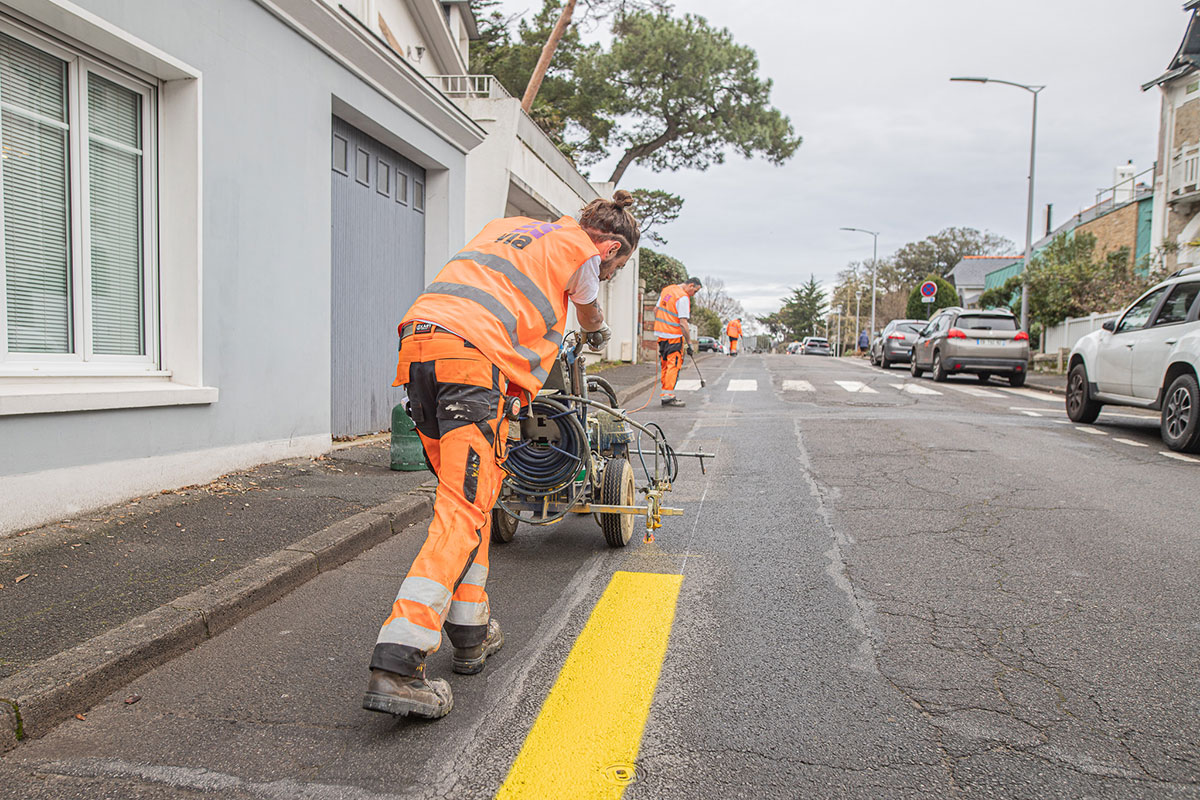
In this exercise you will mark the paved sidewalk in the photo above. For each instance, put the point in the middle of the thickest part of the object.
(1047, 381)
(93, 601)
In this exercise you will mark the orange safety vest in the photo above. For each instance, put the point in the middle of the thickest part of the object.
(734, 329)
(506, 293)
(665, 318)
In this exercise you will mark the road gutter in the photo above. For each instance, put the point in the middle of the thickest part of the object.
(35, 700)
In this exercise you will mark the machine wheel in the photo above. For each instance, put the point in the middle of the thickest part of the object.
(1181, 415)
(912, 365)
(1017, 379)
(937, 369)
(617, 489)
(504, 527)
(984, 377)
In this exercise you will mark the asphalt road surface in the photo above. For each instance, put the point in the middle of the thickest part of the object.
(889, 588)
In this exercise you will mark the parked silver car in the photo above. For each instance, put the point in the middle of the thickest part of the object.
(894, 343)
(985, 343)
(1149, 357)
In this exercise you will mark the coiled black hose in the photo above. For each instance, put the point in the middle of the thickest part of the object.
(541, 470)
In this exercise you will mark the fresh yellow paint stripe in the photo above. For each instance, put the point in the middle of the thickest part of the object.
(592, 720)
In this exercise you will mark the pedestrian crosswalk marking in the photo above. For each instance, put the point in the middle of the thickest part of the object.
(1033, 394)
(593, 718)
(856, 386)
(1031, 413)
(1092, 431)
(798, 386)
(971, 390)
(1179, 457)
(743, 386)
(1131, 442)
(687, 385)
(914, 388)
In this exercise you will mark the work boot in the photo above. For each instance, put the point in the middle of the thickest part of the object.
(673, 401)
(401, 695)
(470, 660)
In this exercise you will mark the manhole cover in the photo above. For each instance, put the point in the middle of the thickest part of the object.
(624, 774)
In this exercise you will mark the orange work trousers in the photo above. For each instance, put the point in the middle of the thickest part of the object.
(456, 400)
(670, 353)
(733, 340)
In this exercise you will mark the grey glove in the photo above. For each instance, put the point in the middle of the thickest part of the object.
(598, 338)
(689, 351)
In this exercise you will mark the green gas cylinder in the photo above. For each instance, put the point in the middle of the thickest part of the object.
(407, 453)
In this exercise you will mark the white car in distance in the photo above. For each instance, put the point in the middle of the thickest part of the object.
(1148, 357)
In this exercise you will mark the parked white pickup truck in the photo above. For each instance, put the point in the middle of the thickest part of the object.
(1149, 357)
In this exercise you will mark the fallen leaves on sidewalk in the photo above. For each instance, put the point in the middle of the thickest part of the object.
(81, 717)
(133, 698)
(21, 578)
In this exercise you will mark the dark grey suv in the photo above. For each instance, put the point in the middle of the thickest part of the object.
(985, 343)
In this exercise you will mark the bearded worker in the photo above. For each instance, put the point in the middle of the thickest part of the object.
(672, 323)
(488, 328)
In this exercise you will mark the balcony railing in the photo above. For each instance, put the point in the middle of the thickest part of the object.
(1185, 172)
(478, 86)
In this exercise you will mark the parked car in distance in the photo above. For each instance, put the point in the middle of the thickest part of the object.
(708, 344)
(1148, 357)
(894, 343)
(793, 348)
(985, 343)
(815, 346)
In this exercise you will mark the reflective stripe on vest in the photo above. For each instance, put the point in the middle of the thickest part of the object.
(665, 318)
(506, 293)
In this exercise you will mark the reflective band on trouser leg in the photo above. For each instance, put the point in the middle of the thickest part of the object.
(457, 541)
(670, 370)
(466, 625)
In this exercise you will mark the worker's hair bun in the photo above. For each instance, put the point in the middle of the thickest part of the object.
(622, 198)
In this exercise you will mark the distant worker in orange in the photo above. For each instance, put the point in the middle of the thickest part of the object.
(672, 321)
(734, 331)
(486, 331)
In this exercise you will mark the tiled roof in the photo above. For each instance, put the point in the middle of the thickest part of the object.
(972, 270)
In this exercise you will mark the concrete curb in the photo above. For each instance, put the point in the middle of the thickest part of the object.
(625, 396)
(36, 699)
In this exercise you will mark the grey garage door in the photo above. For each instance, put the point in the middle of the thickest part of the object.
(378, 270)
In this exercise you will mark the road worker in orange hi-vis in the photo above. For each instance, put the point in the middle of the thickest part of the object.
(734, 331)
(482, 335)
(672, 323)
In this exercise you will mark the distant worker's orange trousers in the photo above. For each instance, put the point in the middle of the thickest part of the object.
(670, 353)
(456, 400)
(733, 340)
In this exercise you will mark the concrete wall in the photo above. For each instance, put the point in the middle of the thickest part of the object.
(268, 97)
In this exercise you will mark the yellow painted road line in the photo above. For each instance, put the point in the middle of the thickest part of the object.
(584, 743)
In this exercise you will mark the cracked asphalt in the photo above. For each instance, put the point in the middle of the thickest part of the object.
(885, 595)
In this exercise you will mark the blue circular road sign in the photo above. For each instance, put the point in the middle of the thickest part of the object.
(928, 289)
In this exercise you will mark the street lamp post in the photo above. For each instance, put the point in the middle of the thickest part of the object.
(857, 317)
(1033, 89)
(874, 268)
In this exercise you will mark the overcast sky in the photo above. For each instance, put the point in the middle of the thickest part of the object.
(890, 144)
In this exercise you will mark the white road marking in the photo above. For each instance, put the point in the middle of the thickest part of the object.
(1063, 421)
(687, 385)
(1179, 457)
(743, 386)
(1092, 431)
(856, 386)
(1027, 408)
(798, 386)
(971, 390)
(1032, 394)
(914, 388)
(1031, 413)
(1131, 442)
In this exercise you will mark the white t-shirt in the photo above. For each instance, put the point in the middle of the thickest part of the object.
(683, 307)
(584, 285)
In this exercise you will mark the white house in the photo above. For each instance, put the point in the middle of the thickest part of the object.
(1176, 215)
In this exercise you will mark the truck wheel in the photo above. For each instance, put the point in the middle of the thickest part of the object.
(1080, 405)
(617, 489)
(504, 527)
(1181, 415)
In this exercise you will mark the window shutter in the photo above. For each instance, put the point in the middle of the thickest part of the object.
(115, 201)
(34, 181)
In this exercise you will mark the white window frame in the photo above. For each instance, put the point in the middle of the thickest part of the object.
(84, 361)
